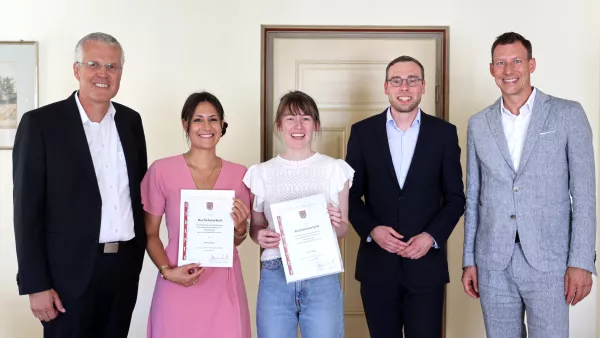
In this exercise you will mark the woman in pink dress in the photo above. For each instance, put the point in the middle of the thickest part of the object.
(191, 301)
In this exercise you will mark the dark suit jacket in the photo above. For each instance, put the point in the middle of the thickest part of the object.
(57, 203)
(431, 201)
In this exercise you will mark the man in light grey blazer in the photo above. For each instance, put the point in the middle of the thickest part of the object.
(530, 221)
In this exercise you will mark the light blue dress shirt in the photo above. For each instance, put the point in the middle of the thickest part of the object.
(402, 148)
(402, 144)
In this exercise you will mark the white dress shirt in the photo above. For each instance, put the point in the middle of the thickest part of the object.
(111, 172)
(515, 128)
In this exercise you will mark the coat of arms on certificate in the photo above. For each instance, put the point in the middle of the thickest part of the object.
(206, 228)
(308, 246)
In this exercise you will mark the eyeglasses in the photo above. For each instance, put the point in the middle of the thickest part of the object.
(110, 67)
(411, 81)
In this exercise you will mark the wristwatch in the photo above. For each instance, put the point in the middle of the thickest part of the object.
(163, 268)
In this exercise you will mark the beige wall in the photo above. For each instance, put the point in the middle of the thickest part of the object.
(190, 45)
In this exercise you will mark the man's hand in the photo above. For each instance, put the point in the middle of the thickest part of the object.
(388, 239)
(44, 305)
(578, 284)
(469, 281)
(418, 246)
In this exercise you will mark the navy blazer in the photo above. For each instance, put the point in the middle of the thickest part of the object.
(432, 199)
(57, 202)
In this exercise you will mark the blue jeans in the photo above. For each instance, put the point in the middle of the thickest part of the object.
(316, 304)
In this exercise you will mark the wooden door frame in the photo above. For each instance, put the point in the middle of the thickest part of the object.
(268, 33)
(440, 34)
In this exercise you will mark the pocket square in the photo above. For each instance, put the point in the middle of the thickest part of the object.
(548, 132)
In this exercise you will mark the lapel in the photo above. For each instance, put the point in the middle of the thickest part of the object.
(384, 145)
(541, 108)
(419, 159)
(128, 144)
(494, 117)
(78, 141)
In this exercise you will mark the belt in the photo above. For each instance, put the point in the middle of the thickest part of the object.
(517, 240)
(114, 247)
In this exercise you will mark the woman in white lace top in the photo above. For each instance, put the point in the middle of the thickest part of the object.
(314, 304)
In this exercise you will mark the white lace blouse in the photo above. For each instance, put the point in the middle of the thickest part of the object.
(279, 180)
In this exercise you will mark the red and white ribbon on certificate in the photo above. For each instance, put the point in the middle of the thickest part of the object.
(185, 223)
(285, 249)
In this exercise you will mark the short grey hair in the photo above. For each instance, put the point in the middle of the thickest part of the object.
(98, 37)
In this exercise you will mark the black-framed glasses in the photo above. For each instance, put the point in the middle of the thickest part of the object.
(95, 65)
(411, 81)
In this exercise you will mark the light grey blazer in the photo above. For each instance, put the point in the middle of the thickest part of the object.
(557, 163)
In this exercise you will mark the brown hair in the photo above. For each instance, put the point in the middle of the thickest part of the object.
(510, 38)
(404, 58)
(187, 112)
(297, 103)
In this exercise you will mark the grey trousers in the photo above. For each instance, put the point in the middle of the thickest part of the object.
(508, 294)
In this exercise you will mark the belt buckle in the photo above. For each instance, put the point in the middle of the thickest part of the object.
(111, 247)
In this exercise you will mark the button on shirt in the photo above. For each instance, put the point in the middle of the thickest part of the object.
(515, 128)
(111, 173)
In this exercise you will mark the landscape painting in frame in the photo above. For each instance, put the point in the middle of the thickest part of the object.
(18, 87)
(8, 95)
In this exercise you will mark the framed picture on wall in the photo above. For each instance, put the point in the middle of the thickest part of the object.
(18, 86)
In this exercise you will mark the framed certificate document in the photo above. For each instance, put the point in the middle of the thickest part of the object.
(308, 246)
(206, 228)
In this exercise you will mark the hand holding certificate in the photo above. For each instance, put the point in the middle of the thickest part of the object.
(206, 228)
(308, 246)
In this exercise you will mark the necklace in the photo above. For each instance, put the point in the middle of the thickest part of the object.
(191, 167)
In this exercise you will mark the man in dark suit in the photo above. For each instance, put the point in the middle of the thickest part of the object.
(408, 170)
(79, 229)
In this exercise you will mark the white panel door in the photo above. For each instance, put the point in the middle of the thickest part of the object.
(345, 77)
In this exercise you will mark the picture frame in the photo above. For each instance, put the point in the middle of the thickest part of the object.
(18, 86)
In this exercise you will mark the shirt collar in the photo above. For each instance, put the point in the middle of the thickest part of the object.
(416, 121)
(528, 105)
(84, 117)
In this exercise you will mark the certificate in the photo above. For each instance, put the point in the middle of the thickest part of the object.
(308, 246)
(206, 228)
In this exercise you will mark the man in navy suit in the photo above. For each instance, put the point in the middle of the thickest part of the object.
(408, 171)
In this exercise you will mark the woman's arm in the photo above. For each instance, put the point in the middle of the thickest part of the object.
(257, 223)
(186, 275)
(339, 215)
(240, 218)
(154, 245)
(259, 233)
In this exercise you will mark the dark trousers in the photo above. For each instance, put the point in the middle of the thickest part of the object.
(393, 307)
(104, 310)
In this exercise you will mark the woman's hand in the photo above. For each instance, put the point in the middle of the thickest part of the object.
(186, 275)
(240, 216)
(335, 214)
(268, 238)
